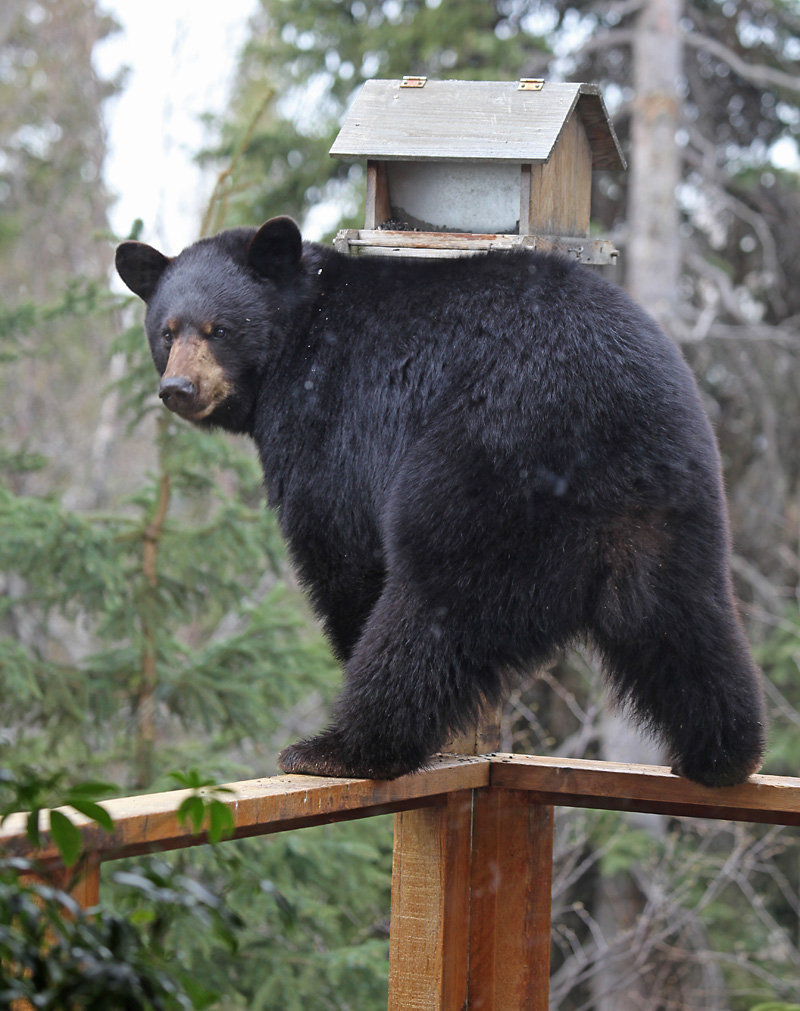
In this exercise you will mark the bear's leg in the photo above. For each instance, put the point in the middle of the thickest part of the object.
(677, 658)
(417, 673)
(344, 603)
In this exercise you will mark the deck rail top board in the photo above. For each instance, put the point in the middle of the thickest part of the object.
(149, 823)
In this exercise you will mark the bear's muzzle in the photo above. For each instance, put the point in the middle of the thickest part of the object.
(194, 383)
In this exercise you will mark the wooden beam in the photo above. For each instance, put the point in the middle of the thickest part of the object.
(259, 806)
(262, 806)
(374, 242)
(771, 800)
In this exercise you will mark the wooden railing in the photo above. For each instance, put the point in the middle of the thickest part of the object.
(472, 873)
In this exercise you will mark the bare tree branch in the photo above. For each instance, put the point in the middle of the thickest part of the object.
(721, 282)
(617, 8)
(756, 73)
(780, 336)
(708, 166)
(604, 40)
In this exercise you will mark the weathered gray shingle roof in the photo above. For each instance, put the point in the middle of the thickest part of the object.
(473, 120)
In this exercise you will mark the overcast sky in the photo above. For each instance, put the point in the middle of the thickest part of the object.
(181, 55)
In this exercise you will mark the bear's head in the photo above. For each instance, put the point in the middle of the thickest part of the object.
(215, 313)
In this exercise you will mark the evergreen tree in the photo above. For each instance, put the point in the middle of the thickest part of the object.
(161, 634)
(151, 624)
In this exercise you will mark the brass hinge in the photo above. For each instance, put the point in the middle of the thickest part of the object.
(413, 82)
(530, 84)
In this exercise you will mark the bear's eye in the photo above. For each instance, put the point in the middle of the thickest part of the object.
(219, 332)
(167, 336)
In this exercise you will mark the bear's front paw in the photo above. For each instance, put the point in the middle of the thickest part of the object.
(317, 756)
(327, 755)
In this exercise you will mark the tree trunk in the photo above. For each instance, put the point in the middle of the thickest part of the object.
(652, 267)
(652, 261)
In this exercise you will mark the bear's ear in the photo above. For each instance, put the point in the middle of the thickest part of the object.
(276, 248)
(140, 267)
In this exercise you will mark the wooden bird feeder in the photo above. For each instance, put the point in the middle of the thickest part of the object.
(456, 167)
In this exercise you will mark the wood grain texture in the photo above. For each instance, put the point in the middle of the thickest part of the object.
(525, 182)
(82, 882)
(370, 242)
(471, 120)
(377, 209)
(470, 241)
(606, 150)
(561, 189)
(431, 881)
(259, 807)
(429, 936)
(510, 909)
(484, 737)
(772, 800)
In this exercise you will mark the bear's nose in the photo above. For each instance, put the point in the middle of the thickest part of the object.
(176, 392)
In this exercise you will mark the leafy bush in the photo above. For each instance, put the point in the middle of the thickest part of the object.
(61, 957)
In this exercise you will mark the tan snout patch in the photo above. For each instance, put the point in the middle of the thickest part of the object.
(192, 359)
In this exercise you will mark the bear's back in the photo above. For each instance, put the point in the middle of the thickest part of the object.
(525, 334)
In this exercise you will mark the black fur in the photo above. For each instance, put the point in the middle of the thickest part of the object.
(474, 462)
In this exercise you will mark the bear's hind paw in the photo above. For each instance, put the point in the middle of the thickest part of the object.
(717, 773)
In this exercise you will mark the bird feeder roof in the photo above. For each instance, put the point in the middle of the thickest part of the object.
(473, 121)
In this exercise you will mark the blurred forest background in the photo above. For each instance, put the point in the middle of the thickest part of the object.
(149, 620)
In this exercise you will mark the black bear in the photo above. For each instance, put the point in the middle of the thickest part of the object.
(474, 462)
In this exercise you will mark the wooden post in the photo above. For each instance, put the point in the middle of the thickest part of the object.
(525, 180)
(377, 209)
(510, 909)
(83, 885)
(431, 880)
(511, 876)
(482, 739)
(428, 946)
(85, 889)
(82, 882)
(471, 898)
